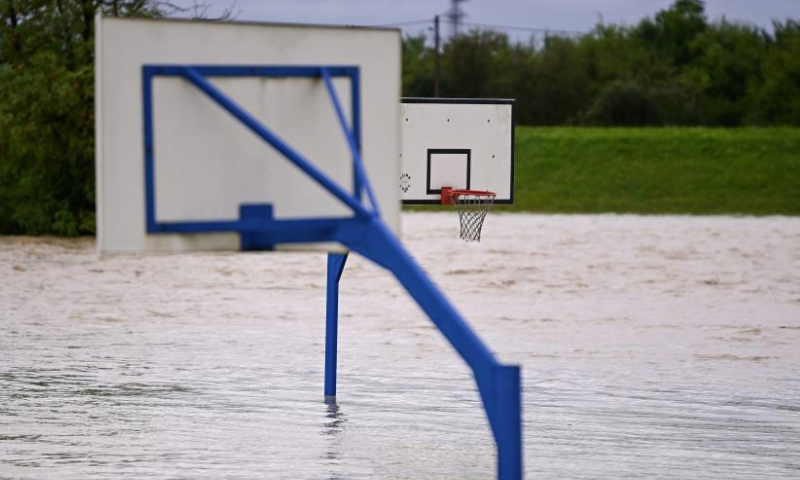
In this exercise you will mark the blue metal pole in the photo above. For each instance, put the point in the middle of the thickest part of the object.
(507, 409)
(336, 262)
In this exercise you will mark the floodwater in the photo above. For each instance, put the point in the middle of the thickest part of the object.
(661, 347)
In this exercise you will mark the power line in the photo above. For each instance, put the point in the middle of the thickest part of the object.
(401, 24)
(428, 21)
(527, 29)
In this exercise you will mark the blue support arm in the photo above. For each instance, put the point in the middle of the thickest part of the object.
(354, 148)
(273, 140)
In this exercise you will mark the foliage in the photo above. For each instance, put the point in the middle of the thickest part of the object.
(623, 103)
(418, 67)
(675, 68)
(47, 111)
(46, 147)
(778, 98)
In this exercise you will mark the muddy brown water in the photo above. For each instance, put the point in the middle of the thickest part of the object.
(662, 347)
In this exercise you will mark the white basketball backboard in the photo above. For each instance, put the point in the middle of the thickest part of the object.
(168, 156)
(463, 144)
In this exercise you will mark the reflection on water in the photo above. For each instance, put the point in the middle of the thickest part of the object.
(335, 419)
(333, 430)
(657, 347)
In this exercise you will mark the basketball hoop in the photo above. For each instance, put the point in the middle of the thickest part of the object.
(472, 206)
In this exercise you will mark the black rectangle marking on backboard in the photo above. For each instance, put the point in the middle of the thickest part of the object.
(450, 151)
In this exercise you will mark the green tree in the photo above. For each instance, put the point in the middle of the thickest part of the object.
(469, 63)
(726, 68)
(562, 83)
(516, 77)
(47, 112)
(778, 99)
(46, 147)
(418, 67)
(624, 104)
(671, 33)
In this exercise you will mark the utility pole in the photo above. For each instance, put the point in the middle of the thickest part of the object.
(437, 71)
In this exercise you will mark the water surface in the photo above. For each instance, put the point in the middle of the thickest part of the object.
(652, 347)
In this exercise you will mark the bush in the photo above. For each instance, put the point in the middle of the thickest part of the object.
(47, 112)
(46, 148)
(623, 104)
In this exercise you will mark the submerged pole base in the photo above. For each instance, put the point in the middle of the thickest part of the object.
(336, 262)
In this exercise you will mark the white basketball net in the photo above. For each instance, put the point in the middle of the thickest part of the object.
(472, 210)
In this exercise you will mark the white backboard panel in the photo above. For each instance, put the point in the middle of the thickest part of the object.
(206, 163)
(457, 143)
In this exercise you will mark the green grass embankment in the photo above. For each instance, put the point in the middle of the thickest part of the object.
(754, 171)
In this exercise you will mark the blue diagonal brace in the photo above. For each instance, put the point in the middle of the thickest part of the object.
(273, 140)
(351, 141)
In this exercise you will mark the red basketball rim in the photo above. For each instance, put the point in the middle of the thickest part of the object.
(449, 194)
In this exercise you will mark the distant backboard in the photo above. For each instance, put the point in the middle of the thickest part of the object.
(459, 143)
(169, 158)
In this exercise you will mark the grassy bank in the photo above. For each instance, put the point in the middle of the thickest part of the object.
(658, 170)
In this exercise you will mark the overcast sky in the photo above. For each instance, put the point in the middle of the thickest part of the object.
(571, 15)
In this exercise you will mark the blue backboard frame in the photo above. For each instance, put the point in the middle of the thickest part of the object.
(198, 75)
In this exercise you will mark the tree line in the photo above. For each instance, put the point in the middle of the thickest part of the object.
(675, 68)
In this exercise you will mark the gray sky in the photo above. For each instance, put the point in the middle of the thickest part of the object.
(572, 15)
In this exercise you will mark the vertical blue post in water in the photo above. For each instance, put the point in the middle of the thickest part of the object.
(336, 263)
